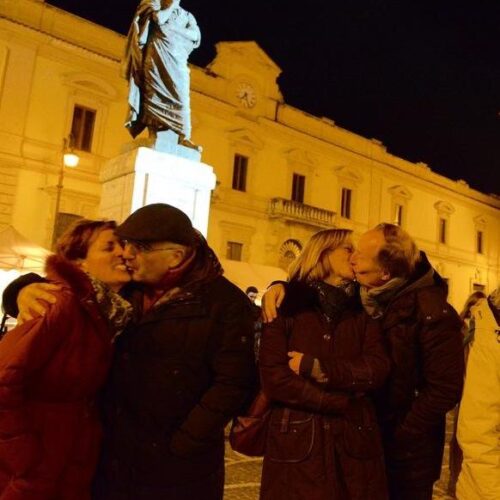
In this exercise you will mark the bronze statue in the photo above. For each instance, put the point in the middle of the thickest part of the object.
(160, 40)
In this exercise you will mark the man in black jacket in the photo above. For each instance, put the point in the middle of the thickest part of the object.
(183, 367)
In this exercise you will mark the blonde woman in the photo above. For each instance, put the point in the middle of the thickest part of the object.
(319, 361)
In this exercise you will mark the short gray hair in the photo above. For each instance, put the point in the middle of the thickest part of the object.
(399, 255)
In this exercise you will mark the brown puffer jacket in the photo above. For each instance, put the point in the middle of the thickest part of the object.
(323, 444)
(423, 335)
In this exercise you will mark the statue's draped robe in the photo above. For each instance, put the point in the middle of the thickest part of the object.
(157, 70)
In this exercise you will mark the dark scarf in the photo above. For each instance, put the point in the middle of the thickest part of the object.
(112, 306)
(116, 310)
(375, 300)
(168, 284)
(333, 300)
(201, 268)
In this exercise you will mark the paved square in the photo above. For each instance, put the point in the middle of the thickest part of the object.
(243, 474)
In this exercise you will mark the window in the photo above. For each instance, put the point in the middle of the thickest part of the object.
(444, 212)
(400, 198)
(345, 204)
(479, 242)
(240, 167)
(443, 229)
(234, 250)
(82, 128)
(288, 252)
(398, 214)
(298, 185)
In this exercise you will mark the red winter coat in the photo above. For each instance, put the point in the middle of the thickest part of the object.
(50, 371)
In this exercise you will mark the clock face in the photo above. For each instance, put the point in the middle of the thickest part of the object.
(245, 94)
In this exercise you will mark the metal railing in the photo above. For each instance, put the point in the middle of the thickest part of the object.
(300, 212)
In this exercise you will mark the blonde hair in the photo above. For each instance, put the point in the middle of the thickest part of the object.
(471, 301)
(399, 255)
(313, 264)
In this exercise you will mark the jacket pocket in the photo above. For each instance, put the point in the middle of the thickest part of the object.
(21, 453)
(291, 436)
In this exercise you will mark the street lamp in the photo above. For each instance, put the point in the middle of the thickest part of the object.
(69, 159)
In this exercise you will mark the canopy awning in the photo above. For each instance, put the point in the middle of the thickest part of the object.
(20, 254)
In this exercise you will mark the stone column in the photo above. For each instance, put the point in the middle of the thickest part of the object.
(144, 175)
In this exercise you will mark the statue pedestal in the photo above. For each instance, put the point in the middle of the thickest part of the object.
(143, 176)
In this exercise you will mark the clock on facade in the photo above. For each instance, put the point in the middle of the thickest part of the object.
(245, 94)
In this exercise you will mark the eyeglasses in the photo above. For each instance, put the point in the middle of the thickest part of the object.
(143, 247)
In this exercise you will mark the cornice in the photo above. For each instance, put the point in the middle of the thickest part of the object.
(55, 41)
(417, 170)
(74, 194)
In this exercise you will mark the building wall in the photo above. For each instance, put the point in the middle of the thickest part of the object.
(50, 60)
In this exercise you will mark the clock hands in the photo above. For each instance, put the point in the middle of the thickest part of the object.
(246, 96)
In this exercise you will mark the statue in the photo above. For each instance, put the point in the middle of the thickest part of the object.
(160, 40)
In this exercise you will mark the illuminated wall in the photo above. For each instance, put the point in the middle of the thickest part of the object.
(51, 61)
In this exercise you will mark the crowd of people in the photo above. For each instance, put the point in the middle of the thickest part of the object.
(134, 353)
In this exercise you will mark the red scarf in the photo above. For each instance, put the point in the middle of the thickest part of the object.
(170, 280)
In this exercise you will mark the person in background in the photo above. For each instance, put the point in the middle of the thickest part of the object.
(466, 316)
(51, 368)
(478, 430)
(252, 293)
(319, 360)
(423, 334)
(455, 453)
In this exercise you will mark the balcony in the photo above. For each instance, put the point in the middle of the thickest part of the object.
(299, 212)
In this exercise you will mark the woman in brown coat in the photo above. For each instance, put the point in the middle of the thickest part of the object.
(323, 445)
(51, 368)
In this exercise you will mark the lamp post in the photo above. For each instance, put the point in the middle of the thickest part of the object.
(69, 159)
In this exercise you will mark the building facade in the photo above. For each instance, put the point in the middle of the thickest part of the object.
(282, 174)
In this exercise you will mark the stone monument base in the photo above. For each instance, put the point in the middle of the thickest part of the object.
(165, 141)
(144, 175)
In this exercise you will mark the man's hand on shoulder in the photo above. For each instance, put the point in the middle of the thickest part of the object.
(271, 301)
(34, 300)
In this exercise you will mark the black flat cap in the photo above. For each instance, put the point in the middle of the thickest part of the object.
(158, 222)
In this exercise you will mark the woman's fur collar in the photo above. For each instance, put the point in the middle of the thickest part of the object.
(300, 297)
(59, 269)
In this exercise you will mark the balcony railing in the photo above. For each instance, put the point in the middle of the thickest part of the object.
(299, 212)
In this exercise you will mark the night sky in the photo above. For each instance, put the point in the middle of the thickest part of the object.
(422, 76)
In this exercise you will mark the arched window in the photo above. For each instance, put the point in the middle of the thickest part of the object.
(289, 251)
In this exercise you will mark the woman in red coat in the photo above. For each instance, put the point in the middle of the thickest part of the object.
(323, 441)
(51, 368)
